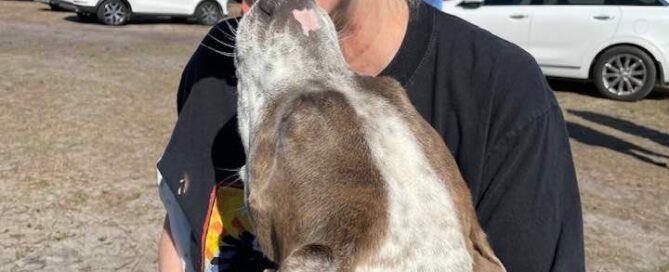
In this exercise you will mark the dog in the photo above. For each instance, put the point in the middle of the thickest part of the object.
(342, 173)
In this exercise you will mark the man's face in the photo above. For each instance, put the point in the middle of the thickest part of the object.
(329, 5)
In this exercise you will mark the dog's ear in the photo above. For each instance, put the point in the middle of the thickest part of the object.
(310, 258)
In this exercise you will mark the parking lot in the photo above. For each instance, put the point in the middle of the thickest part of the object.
(87, 110)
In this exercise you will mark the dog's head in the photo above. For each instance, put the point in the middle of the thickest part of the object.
(281, 42)
(281, 45)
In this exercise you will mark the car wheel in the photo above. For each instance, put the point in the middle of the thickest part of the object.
(113, 12)
(625, 73)
(208, 13)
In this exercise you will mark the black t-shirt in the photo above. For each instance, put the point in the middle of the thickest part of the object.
(485, 96)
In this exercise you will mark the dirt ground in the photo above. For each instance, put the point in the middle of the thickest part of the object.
(87, 110)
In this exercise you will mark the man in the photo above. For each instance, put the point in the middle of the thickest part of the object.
(486, 97)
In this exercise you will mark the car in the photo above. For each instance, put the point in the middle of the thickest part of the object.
(119, 12)
(621, 45)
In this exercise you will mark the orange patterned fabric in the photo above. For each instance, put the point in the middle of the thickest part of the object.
(228, 242)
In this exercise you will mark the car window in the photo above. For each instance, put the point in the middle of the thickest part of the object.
(639, 2)
(585, 2)
(580, 2)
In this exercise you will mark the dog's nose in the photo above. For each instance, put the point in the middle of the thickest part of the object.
(267, 6)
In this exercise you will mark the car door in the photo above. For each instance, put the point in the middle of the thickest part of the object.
(508, 19)
(162, 6)
(564, 32)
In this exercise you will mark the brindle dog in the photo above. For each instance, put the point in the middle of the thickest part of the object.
(342, 173)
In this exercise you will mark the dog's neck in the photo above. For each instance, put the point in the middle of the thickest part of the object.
(373, 34)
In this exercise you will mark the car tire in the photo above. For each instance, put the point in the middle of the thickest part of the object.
(208, 13)
(624, 73)
(113, 12)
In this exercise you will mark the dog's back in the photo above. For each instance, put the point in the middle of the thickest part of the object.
(356, 180)
(342, 173)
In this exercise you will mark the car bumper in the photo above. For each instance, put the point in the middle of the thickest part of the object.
(85, 5)
(64, 5)
(663, 59)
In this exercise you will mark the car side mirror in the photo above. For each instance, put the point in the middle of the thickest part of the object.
(471, 4)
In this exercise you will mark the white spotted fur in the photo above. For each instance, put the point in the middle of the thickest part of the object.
(422, 217)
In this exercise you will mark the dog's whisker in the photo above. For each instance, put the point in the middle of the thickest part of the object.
(232, 36)
(232, 29)
(229, 169)
(342, 36)
(236, 176)
(227, 54)
(221, 42)
(228, 35)
(230, 183)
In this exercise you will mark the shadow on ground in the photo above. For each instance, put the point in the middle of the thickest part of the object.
(136, 20)
(592, 137)
(588, 88)
(51, 10)
(625, 126)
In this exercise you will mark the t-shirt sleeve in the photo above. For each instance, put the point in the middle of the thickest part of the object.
(531, 207)
(204, 147)
(211, 69)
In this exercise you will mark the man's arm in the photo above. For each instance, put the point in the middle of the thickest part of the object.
(168, 257)
(531, 209)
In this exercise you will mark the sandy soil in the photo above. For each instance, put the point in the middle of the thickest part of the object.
(87, 110)
(621, 151)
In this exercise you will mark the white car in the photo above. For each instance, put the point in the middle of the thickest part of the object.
(622, 45)
(118, 12)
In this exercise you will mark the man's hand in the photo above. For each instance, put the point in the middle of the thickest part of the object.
(168, 257)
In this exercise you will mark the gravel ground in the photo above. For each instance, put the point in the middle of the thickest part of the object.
(87, 110)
